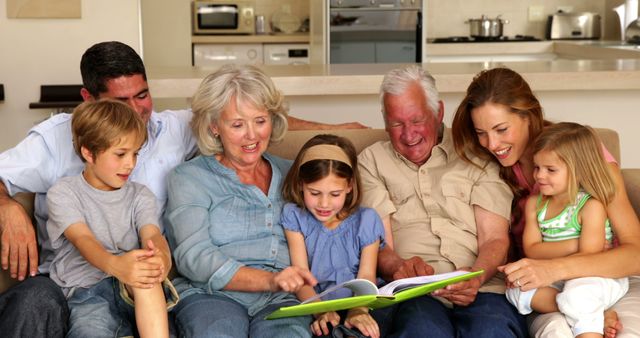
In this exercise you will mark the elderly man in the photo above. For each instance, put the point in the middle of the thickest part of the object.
(36, 307)
(440, 214)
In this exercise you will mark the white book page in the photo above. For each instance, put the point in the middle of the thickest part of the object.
(359, 287)
(400, 284)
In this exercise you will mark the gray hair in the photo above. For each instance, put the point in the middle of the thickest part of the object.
(242, 83)
(397, 80)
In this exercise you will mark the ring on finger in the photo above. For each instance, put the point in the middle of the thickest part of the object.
(518, 282)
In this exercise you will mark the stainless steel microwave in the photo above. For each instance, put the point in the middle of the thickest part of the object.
(223, 17)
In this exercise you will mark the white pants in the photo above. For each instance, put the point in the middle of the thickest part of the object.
(554, 325)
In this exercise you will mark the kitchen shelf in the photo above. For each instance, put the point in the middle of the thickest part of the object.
(262, 38)
(60, 97)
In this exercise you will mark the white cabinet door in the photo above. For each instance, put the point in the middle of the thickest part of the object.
(220, 54)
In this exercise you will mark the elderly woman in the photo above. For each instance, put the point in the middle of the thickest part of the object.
(498, 119)
(224, 210)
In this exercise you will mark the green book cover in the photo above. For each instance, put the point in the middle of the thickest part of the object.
(367, 294)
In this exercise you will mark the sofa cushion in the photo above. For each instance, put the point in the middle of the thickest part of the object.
(294, 140)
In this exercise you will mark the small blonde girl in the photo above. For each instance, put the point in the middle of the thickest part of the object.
(569, 218)
(326, 229)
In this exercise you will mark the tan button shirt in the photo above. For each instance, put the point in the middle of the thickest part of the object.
(431, 206)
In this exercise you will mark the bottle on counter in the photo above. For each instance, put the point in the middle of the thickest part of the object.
(260, 24)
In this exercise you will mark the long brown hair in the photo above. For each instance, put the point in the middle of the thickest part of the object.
(499, 86)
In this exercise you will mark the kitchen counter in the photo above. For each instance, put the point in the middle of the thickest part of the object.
(354, 79)
(262, 38)
(592, 83)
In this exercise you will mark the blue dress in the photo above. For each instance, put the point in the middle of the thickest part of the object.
(334, 255)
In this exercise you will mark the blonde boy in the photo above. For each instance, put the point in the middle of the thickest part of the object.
(104, 229)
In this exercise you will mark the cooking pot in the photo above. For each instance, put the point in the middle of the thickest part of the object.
(632, 33)
(485, 27)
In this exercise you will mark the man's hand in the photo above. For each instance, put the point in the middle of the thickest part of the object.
(292, 279)
(462, 293)
(19, 251)
(413, 267)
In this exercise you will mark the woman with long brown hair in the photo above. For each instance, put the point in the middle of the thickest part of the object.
(498, 119)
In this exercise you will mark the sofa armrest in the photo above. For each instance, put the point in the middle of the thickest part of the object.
(632, 185)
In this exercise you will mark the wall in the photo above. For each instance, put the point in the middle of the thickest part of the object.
(447, 17)
(166, 32)
(48, 51)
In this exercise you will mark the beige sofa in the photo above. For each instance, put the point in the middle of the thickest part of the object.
(362, 138)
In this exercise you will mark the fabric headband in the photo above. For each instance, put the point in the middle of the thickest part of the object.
(325, 152)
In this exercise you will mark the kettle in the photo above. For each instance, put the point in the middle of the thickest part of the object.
(632, 33)
(627, 13)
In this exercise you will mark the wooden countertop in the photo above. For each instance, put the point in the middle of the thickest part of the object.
(569, 72)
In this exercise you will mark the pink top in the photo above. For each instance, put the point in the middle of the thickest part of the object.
(518, 228)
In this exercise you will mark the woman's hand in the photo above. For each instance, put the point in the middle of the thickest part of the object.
(528, 274)
(319, 326)
(291, 279)
(362, 320)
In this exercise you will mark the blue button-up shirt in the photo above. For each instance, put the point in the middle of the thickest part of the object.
(216, 224)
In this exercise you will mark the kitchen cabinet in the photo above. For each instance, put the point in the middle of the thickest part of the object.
(216, 50)
(353, 52)
(220, 54)
(373, 52)
(216, 55)
(395, 52)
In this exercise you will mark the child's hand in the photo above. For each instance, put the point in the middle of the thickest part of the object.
(137, 269)
(158, 257)
(362, 320)
(319, 326)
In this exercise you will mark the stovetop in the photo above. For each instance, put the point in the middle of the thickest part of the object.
(454, 39)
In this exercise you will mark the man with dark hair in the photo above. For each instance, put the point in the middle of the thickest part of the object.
(108, 60)
(36, 307)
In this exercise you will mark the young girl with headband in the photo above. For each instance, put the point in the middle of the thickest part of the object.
(326, 229)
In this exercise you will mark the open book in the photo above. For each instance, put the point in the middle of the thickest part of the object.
(365, 293)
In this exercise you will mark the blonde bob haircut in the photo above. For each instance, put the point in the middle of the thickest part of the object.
(242, 83)
(580, 149)
(99, 125)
